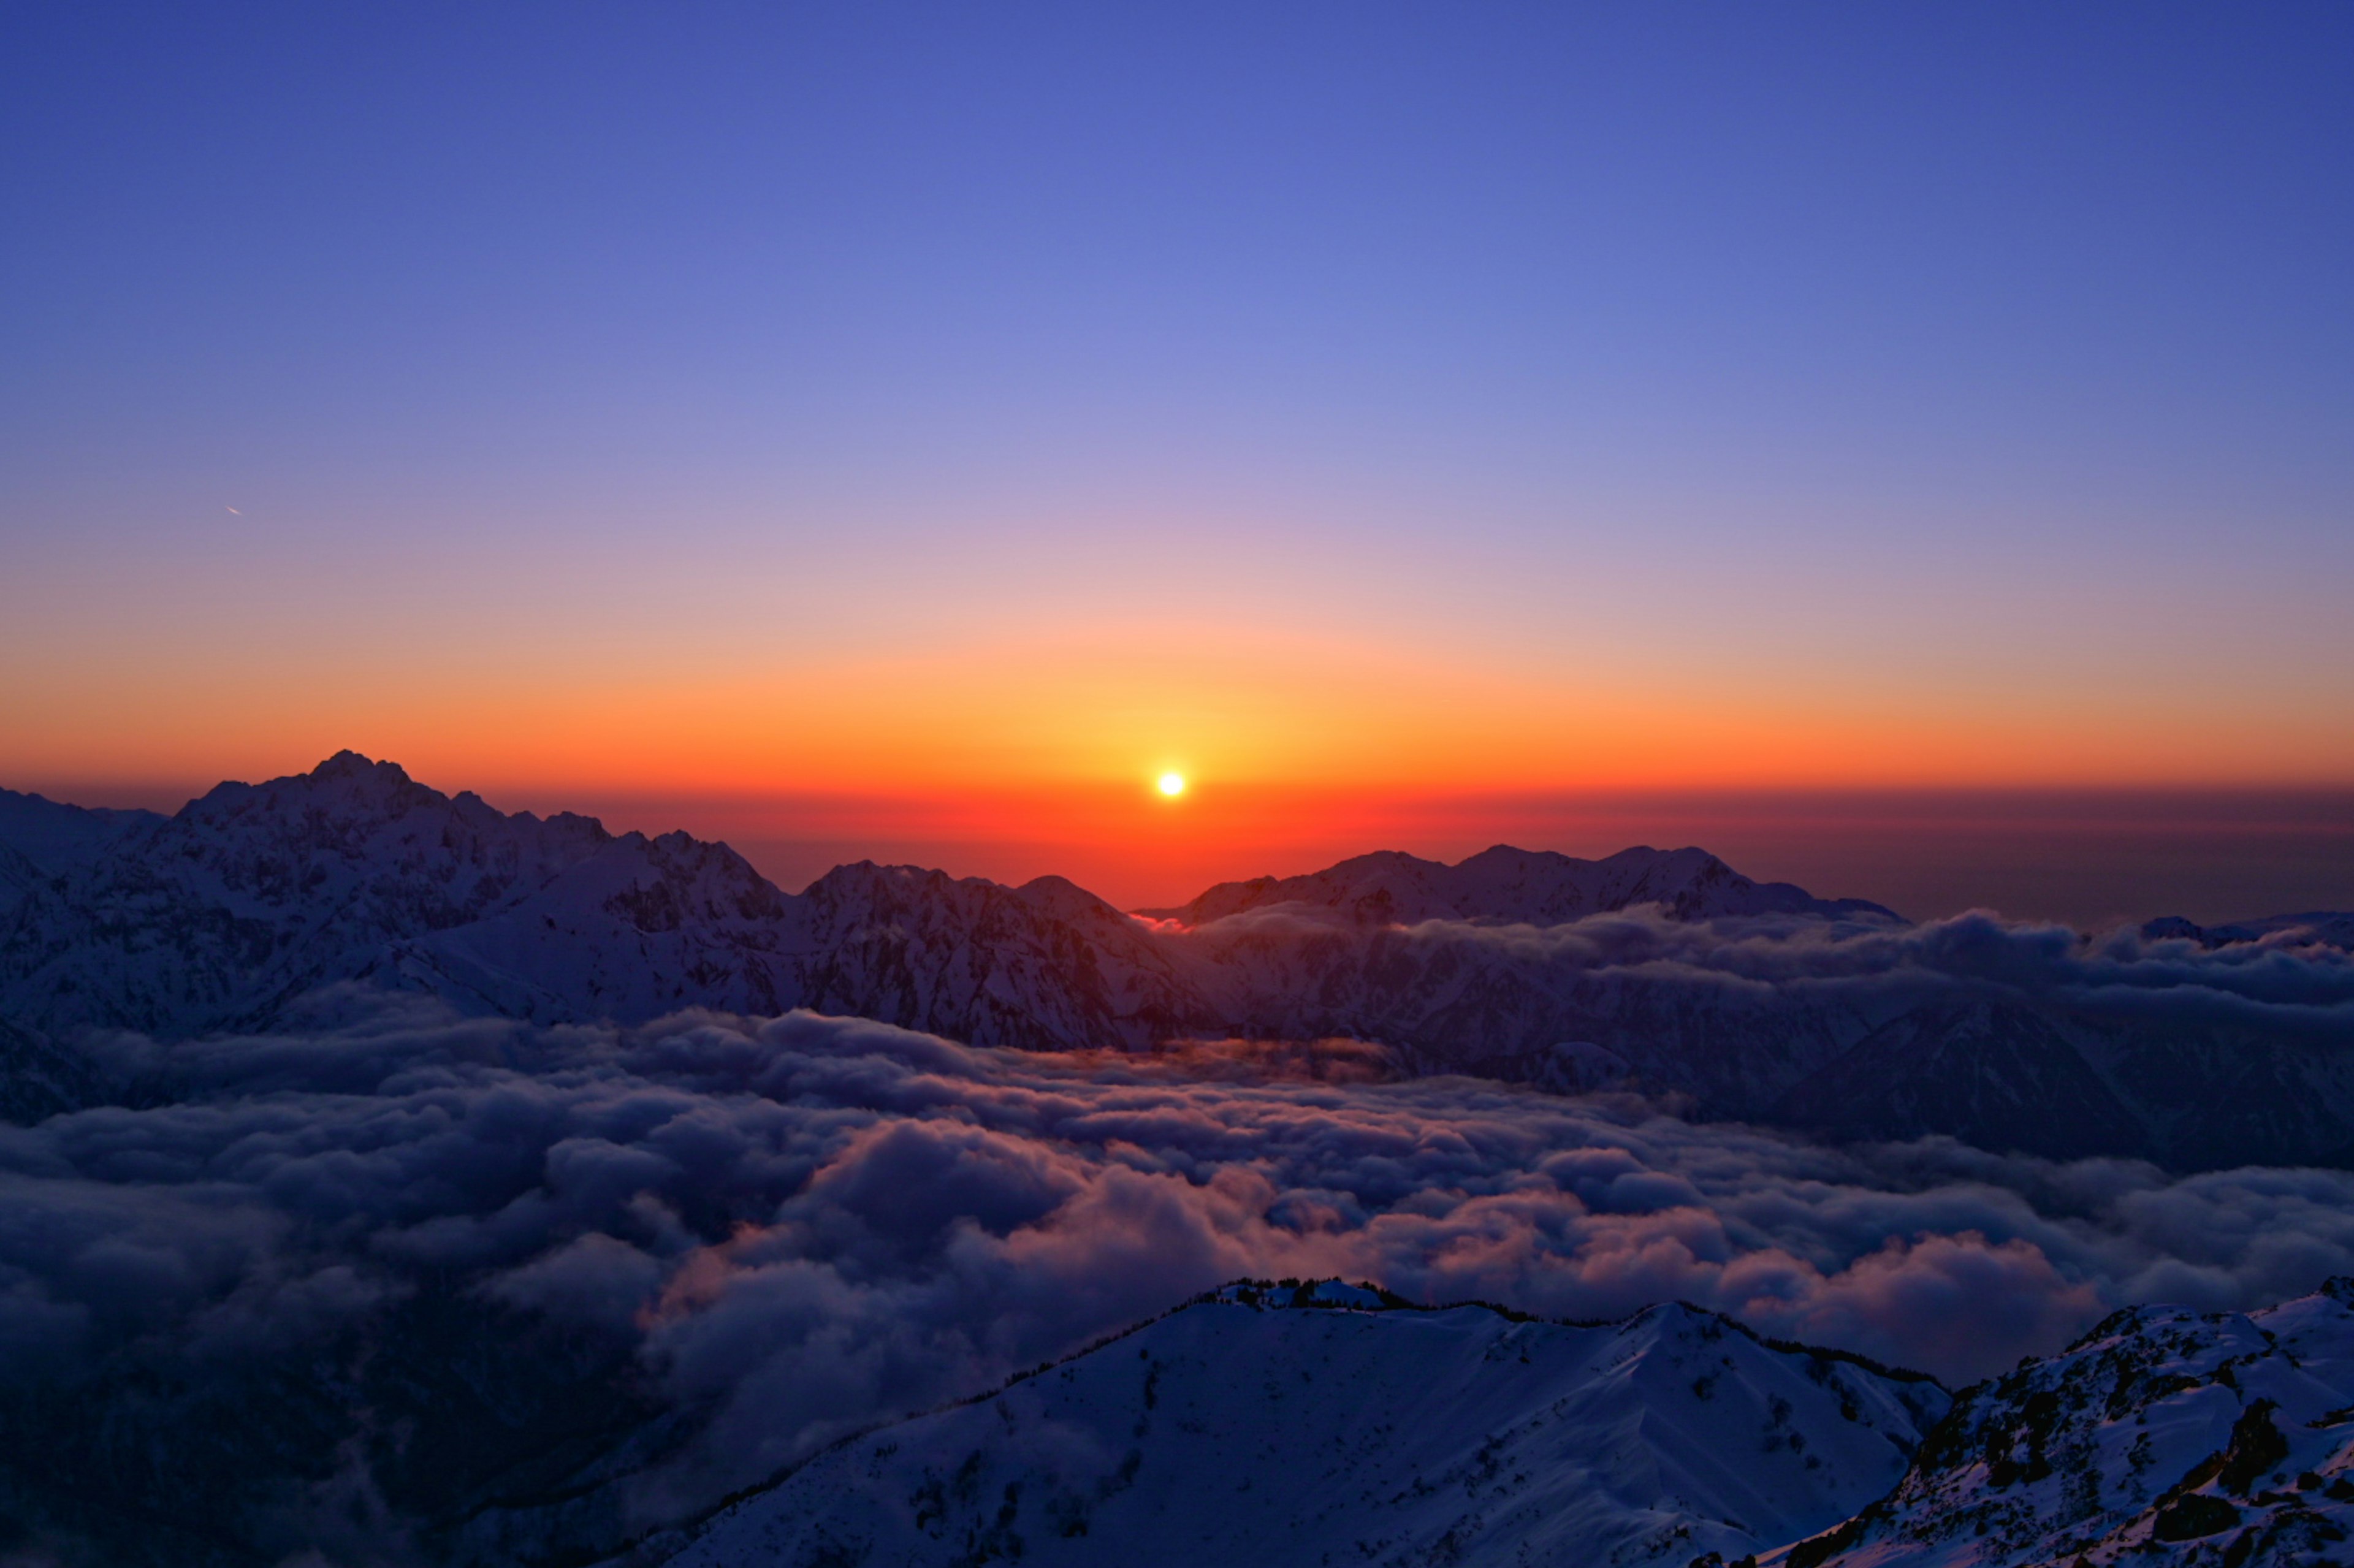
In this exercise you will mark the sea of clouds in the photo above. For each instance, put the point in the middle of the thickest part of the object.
(2287, 984)
(803, 1224)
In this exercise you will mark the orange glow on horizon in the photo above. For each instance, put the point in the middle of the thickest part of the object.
(1045, 736)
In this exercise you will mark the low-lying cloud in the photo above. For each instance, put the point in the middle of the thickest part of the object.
(2286, 979)
(798, 1225)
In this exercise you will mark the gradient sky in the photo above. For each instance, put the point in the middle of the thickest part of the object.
(978, 409)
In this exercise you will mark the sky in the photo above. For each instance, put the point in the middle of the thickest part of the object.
(909, 431)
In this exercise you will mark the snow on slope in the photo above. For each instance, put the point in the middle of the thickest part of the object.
(1045, 965)
(254, 895)
(1729, 997)
(641, 927)
(41, 840)
(58, 837)
(2162, 1437)
(225, 916)
(1514, 886)
(18, 877)
(1268, 1425)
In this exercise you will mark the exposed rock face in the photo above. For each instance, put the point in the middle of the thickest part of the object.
(2162, 1437)
(1274, 1424)
(1047, 966)
(637, 928)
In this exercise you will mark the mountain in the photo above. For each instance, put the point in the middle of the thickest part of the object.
(1322, 1423)
(2163, 1435)
(1504, 885)
(1047, 966)
(226, 914)
(1993, 1074)
(1326, 1423)
(2328, 927)
(41, 840)
(252, 896)
(634, 929)
(18, 877)
(1662, 973)
(58, 837)
(39, 1078)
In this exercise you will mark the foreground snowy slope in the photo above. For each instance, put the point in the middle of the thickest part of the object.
(1248, 1428)
(2162, 1437)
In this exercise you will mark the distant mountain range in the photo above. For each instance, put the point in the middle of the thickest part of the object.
(1323, 1424)
(1662, 972)
(1506, 886)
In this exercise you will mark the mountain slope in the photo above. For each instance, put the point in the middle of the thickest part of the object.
(1993, 1074)
(2163, 1435)
(18, 877)
(1270, 1423)
(641, 928)
(1047, 966)
(58, 837)
(254, 895)
(228, 913)
(1504, 885)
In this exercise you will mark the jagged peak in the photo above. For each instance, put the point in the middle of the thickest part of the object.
(350, 764)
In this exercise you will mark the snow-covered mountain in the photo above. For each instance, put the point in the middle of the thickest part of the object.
(1322, 1425)
(2162, 1437)
(18, 877)
(58, 837)
(1045, 965)
(227, 915)
(1663, 972)
(253, 895)
(1318, 1424)
(1504, 885)
(42, 839)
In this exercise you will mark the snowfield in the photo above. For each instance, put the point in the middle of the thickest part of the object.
(1270, 1423)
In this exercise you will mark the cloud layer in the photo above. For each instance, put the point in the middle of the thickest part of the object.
(794, 1226)
(2286, 980)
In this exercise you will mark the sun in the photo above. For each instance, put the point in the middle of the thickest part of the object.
(1173, 784)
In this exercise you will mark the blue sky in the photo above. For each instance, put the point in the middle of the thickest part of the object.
(1855, 368)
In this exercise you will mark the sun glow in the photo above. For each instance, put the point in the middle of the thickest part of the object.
(1173, 784)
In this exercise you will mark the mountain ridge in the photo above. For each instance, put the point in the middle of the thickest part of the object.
(1504, 884)
(223, 913)
(1666, 973)
(2161, 1434)
(1531, 1434)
